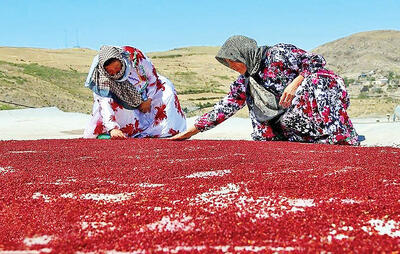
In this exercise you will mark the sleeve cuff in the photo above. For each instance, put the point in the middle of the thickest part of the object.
(112, 127)
(305, 73)
(200, 124)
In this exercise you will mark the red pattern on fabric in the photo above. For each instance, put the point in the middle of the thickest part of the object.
(132, 51)
(142, 76)
(132, 130)
(326, 113)
(220, 118)
(332, 83)
(202, 121)
(344, 117)
(178, 105)
(340, 137)
(308, 109)
(242, 99)
(173, 132)
(128, 129)
(277, 65)
(160, 85)
(299, 51)
(99, 128)
(155, 72)
(115, 106)
(161, 114)
(267, 132)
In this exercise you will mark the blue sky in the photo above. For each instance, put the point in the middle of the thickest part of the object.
(157, 25)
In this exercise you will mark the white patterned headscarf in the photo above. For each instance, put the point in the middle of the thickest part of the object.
(118, 83)
(242, 49)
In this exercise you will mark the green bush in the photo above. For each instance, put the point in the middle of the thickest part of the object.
(69, 80)
(201, 90)
(363, 96)
(6, 107)
(204, 98)
(222, 77)
(168, 56)
(12, 79)
(204, 105)
(185, 73)
(348, 81)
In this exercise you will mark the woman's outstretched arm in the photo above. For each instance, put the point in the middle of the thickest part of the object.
(228, 106)
(191, 131)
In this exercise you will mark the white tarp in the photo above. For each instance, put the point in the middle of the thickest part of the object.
(52, 123)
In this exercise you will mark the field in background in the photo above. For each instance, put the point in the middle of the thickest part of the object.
(38, 86)
(42, 77)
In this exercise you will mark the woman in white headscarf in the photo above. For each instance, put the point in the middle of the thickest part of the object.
(289, 93)
(130, 98)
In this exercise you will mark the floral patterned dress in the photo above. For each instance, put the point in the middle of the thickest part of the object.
(165, 119)
(317, 113)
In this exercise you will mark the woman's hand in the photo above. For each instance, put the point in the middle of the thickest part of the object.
(117, 134)
(145, 106)
(187, 134)
(289, 92)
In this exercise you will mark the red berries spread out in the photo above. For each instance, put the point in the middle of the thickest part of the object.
(155, 195)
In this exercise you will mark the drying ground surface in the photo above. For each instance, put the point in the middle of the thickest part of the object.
(199, 196)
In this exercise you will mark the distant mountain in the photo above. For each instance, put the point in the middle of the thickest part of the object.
(363, 52)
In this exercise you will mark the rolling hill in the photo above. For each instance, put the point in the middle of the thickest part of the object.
(363, 52)
(42, 77)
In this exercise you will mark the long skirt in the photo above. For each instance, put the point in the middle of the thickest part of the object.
(165, 119)
(318, 112)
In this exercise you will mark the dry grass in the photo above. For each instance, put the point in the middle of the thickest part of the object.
(38, 86)
(64, 59)
(372, 106)
(194, 71)
(58, 77)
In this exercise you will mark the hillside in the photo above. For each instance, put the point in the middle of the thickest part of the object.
(77, 59)
(58, 77)
(35, 85)
(363, 52)
(42, 77)
(370, 64)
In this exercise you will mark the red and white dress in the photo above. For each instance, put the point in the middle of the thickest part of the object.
(165, 118)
